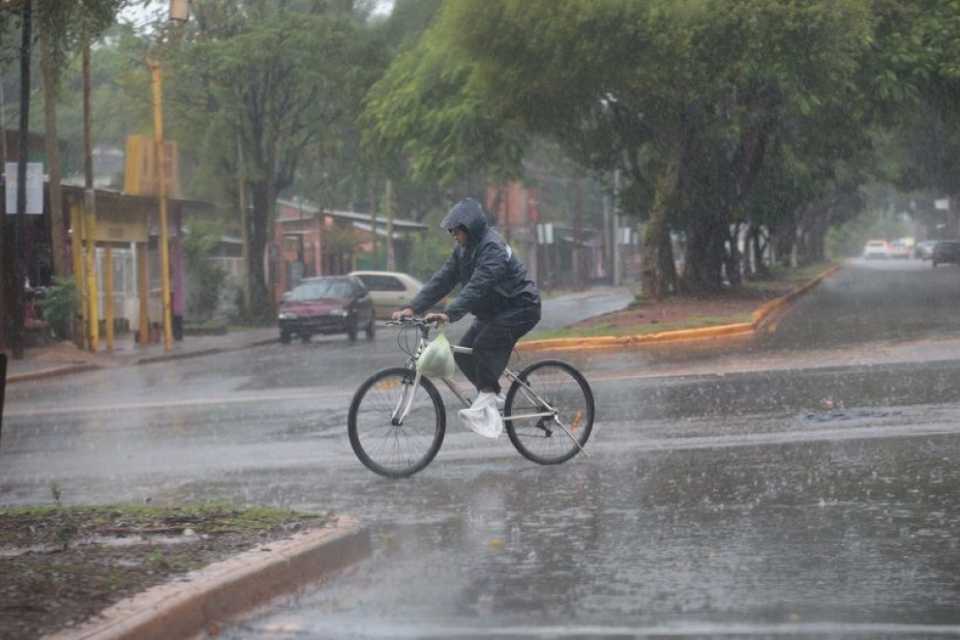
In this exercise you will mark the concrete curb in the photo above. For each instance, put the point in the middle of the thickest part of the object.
(52, 372)
(761, 318)
(187, 607)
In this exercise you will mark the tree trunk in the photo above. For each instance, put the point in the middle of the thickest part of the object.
(784, 240)
(261, 307)
(50, 91)
(734, 262)
(760, 267)
(703, 268)
(653, 280)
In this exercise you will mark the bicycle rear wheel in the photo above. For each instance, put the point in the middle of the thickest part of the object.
(548, 439)
(396, 450)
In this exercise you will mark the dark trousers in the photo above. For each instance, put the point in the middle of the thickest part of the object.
(492, 344)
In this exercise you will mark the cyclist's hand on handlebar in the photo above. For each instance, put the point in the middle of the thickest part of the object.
(406, 312)
(439, 318)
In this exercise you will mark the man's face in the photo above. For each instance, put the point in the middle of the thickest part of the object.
(460, 235)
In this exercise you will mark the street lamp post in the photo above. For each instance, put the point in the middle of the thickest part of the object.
(17, 336)
(179, 10)
(162, 188)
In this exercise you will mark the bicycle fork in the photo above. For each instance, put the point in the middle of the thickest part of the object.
(405, 401)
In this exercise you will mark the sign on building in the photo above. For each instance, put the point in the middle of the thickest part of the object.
(34, 188)
(141, 176)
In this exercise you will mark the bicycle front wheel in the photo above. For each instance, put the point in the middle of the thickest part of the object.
(549, 439)
(384, 446)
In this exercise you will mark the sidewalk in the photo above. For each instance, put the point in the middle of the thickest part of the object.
(62, 358)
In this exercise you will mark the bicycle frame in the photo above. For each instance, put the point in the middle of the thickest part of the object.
(400, 411)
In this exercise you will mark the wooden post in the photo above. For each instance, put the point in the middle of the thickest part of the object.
(617, 204)
(143, 286)
(17, 334)
(79, 274)
(244, 226)
(164, 218)
(108, 293)
(50, 92)
(93, 313)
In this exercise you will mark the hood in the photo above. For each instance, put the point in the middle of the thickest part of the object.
(318, 305)
(469, 214)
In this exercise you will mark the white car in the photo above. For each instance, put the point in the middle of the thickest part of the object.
(899, 250)
(876, 249)
(389, 290)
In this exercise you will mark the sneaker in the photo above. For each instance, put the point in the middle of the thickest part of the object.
(482, 417)
(484, 397)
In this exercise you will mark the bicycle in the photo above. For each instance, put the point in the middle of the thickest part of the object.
(397, 413)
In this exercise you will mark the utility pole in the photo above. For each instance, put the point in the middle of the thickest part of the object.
(5, 268)
(16, 338)
(50, 91)
(3, 125)
(605, 237)
(90, 208)
(389, 206)
(617, 268)
(164, 229)
(373, 227)
(578, 253)
(244, 229)
(177, 15)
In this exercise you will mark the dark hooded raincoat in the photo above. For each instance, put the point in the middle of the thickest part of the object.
(494, 288)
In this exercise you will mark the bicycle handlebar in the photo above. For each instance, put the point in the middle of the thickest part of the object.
(415, 321)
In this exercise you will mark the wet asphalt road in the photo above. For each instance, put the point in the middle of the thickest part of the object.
(736, 496)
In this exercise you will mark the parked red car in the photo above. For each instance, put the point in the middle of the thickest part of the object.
(329, 304)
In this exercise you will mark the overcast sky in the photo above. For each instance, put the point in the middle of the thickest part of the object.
(142, 15)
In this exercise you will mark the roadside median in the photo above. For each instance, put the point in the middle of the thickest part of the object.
(761, 318)
(203, 600)
(137, 571)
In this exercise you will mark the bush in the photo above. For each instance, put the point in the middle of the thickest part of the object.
(59, 306)
(206, 278)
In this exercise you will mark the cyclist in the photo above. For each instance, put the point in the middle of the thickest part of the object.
(496, 290)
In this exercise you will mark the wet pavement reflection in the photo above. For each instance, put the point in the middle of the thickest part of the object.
(806, 486)
(848, 532)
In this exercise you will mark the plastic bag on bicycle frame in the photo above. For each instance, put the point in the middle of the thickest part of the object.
(437, 361)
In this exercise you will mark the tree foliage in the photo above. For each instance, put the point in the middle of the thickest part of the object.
(685, 96)
(260, 83)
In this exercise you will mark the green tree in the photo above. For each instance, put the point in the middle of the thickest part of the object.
(646, 86)
(65, 27)
(275, 80)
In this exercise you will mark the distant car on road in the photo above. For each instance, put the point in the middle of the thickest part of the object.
(327, 304)
(924, 249)
(390, 290)
(945, 251)
(876, 249)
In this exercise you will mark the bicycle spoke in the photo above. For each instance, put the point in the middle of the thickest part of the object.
(550, 440)
(390, 449)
